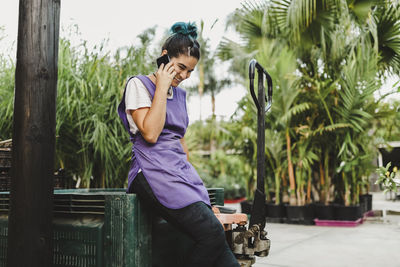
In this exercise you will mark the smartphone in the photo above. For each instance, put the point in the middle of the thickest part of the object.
(163, 59)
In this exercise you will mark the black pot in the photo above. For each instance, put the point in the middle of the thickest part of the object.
(275, 213)
(309, 214)
(347, 213)
(300, 214)
(363, 203)
(246, 206)
(324, 212)
(366, 202)
(369, 201)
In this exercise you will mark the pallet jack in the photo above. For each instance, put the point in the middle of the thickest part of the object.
(251, 241)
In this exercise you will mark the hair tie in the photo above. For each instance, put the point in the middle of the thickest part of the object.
(188, 29)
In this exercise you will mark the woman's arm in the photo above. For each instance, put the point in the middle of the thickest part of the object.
(185, 148)
(150, 121)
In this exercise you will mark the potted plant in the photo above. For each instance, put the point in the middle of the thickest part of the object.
(389, 179)
(303, 211)
(274, 208)
(349, 209)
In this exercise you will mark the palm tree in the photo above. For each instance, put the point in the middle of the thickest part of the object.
(276, 158)
(321, 35)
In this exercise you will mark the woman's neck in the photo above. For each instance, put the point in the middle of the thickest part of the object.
(152, 78)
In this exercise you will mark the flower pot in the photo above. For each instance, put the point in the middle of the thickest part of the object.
(275, 213)
(347, 213)
(363, 203)
(324, 212)
(246, 206)
(369, 201)
(300, 214)
(309, 214)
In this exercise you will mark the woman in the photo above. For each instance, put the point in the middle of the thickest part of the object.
(153, 110)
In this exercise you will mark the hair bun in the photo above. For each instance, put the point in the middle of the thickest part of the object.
(188, 29)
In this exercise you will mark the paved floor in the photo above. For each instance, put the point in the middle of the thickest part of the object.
(376, 242)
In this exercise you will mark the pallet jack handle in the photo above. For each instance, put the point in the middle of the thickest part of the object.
(258, 210)
(268, 98)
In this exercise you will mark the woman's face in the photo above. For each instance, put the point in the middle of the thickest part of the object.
(183, 65)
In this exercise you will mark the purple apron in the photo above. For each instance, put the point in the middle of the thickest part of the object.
(172, 178)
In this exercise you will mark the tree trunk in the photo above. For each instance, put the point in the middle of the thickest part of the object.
(292, 183)
(30, 236)
(284, 181)
(308, 201)
(322, 182)
(327, 179)
(277, 189)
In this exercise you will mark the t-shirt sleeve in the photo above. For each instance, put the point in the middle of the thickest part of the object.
(136, 95)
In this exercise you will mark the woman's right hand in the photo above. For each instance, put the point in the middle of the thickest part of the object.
(164, 76)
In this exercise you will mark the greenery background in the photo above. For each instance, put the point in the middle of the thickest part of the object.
(327, 59)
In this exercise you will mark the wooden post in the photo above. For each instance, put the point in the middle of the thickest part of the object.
(30, 236)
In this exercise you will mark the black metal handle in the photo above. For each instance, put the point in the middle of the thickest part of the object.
(261, 72)
(258, 211)
(252, 68)
(268, 97)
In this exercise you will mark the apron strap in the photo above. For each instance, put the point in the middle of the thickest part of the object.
(122, 110)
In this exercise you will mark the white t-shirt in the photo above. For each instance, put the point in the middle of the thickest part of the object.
(137, 96)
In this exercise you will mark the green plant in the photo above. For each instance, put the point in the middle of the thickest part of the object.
(92, 144)
(387, 179)
(7, 73)
(341, 50)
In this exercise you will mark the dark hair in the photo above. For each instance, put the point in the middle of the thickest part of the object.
(183, 40)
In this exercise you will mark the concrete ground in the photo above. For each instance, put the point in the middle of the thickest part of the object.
(376, 242)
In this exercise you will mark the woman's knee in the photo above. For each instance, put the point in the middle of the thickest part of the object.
(216, 235)
(203, 226)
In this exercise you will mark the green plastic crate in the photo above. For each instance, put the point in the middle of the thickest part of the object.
(108, 228)
(216, 196)
(93, 228)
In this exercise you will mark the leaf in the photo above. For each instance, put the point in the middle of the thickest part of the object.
(295, 110)
(331, 128)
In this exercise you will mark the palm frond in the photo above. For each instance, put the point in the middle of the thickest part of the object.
(295, 110)
(388, 31)
(321, 130)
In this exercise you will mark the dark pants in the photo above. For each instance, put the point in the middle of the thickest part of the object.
(197, 221)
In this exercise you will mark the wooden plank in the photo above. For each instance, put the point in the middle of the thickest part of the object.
(30, 222)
